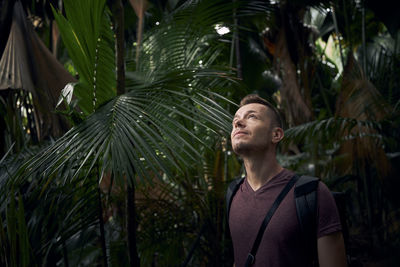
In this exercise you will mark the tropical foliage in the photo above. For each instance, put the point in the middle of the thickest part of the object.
(141, 171)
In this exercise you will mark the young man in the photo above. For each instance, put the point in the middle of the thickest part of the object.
(257, 130)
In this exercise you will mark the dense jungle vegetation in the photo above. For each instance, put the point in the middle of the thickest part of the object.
(115, 122)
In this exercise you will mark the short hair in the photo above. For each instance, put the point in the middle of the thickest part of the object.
(254, 98)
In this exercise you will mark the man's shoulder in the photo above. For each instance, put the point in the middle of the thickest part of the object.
(306, 184)
(287, 173)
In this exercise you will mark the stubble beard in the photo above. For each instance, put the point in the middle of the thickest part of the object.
(243, 149)
(240, 149)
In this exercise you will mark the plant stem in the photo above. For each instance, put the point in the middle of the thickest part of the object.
(337, 35)
(120, 45)
(102, 232)
(65, 254)
(131, 225)
(364, 49)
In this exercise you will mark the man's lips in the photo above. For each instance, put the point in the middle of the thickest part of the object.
(239, 133)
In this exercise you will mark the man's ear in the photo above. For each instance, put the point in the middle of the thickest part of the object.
(277, 135)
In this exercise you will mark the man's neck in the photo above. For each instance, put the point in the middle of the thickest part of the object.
(260, 169)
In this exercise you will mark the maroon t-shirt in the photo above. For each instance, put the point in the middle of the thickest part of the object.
(281, 244)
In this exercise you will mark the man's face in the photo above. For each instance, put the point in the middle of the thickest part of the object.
(251, 129)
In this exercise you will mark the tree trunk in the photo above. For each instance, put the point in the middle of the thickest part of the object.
(130, 211)
(131, 226)
(297, 110)
(102, 232)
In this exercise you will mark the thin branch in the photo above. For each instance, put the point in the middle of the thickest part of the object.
(120, 43)
(337, 35)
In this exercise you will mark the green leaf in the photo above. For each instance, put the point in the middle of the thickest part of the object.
(91, 49)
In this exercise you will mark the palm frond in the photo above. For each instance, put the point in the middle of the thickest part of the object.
(144, 130)
(184, 38)
(334, 128)
(91, 48)
(382, 61)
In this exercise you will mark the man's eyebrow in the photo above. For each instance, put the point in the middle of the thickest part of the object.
(247, 113)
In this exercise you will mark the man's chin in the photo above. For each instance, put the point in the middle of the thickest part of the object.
(241, 149)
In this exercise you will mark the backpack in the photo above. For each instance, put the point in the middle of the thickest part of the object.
(305, 194)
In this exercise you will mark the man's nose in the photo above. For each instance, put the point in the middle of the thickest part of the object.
(239, 123)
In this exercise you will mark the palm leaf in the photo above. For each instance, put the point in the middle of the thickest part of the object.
(334, 128)
(91, 49)
(23, 234)
(184, 37)
(135, 133)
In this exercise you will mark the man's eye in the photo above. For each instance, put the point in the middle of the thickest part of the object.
(252, 116)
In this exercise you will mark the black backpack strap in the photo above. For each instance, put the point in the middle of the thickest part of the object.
(230, 192)
(305, 193)
(270, 213)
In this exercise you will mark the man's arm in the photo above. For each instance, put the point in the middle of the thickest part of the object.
(331, 251)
